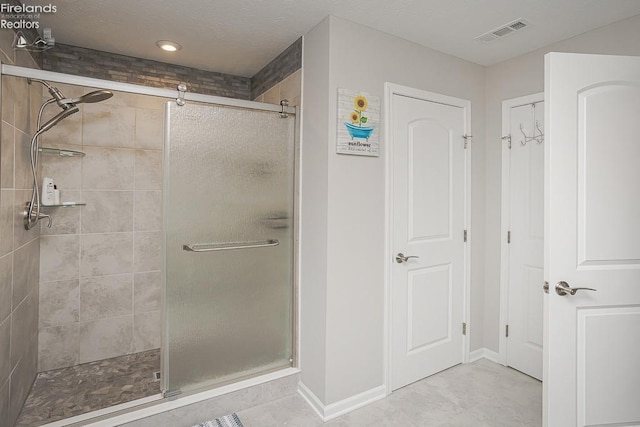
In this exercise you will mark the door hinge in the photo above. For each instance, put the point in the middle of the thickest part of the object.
(465, 235)
(506, 331)
(467, 138)
(508, 236)
(508, 139)
(464, 329)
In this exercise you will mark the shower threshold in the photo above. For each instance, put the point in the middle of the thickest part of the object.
(68, 392)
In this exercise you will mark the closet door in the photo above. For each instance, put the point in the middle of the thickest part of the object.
(524, 242)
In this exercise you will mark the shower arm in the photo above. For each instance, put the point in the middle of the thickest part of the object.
(53, 91)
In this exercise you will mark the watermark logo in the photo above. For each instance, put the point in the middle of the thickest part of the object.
(23, 16)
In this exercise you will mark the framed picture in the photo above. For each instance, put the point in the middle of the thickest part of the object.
(358, 123)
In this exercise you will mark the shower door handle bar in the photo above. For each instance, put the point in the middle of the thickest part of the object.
(210, 247)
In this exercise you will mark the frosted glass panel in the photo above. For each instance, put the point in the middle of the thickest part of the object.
(228, 245)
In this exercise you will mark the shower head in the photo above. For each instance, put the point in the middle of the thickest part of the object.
(89, 98)
(69, 103)
(56, 119)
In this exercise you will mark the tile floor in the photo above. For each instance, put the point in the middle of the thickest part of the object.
(67, 392)
(479, 394)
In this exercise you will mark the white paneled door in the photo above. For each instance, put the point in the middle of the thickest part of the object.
(428, 211)
(524, 240)
(592, 240)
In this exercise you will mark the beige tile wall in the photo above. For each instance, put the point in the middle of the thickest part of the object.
(19, 248)
(100, 264)
(289, 89)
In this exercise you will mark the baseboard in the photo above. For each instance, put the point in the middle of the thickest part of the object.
(311, 399)
(334, 410)
(483, 353)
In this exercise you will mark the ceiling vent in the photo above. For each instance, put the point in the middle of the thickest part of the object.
(503, 30)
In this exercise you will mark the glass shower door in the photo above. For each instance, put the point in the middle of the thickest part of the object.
(228, 207)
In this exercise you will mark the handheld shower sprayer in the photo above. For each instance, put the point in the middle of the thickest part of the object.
(32, 209)
(57, 118)
(90, 98)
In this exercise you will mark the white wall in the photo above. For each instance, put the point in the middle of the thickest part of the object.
(521, 76)
(342, 253)
(313, 210)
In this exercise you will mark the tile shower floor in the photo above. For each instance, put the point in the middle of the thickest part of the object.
(67, 392)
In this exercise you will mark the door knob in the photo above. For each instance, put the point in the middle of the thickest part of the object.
(400, 258)
(563, 288)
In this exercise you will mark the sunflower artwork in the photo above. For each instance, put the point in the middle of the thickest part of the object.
(358, 118)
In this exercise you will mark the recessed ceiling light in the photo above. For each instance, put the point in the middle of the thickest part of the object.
(168, 45)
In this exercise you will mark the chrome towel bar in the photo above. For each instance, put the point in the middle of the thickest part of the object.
(208, 247)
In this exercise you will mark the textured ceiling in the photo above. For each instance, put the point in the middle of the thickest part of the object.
(241, 36)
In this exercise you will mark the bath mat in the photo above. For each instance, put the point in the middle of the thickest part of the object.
(226, 421)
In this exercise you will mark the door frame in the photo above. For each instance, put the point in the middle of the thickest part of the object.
(507, 105)
(391, 89)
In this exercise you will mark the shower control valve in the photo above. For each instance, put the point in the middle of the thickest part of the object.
(31, 217)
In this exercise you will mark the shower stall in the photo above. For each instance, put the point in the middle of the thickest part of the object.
(169, 265)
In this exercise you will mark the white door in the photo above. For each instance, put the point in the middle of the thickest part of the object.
(524, 237)
(428, 211)
(592, 240)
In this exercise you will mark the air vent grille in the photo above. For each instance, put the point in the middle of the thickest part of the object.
(503, 30)
(518, 25)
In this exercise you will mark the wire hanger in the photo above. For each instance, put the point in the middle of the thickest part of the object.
(539, 138)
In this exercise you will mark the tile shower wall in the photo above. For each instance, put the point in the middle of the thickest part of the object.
(289, 61)
(100, 279)
(19, 248)
(288, 89)
(120, 68)
(109, 66)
